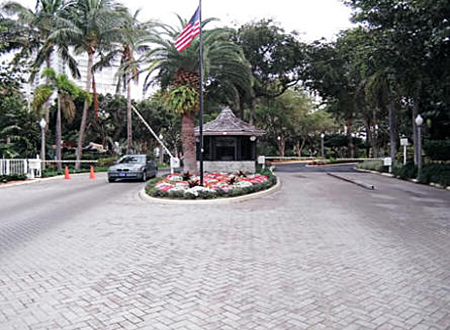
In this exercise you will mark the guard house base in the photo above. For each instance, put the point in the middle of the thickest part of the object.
(228, 167)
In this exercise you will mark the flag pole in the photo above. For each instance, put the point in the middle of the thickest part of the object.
(201, 94)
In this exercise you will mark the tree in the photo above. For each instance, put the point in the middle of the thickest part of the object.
(36, 27)
(66, 91)
(291, 118)
(92, 27)
(19, 129)
(412, 45)
(133, 42)
(177, 74)
(277, 58)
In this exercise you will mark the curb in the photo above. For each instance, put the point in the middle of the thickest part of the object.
(431, 184)
(30, 181)
(361, 184)
(331, 165)
(229, 200)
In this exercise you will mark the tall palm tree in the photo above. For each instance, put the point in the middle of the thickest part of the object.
(67, 91)
(92, 27)
(39, 25)
(177, 73)
(134, 36)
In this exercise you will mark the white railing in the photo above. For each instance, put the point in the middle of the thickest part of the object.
(13, 166)
(30, 167)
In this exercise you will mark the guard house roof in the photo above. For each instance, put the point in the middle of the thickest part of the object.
(227, 123)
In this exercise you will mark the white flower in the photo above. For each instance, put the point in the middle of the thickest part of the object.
(195, 190)
(243, 184)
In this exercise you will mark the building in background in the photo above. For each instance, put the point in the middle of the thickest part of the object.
(105, 80)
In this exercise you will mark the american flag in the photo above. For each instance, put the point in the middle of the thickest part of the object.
(191, 30)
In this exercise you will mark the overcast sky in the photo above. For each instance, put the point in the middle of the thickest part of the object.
(313, 19)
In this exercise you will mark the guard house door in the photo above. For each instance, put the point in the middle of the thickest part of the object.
(226, 148)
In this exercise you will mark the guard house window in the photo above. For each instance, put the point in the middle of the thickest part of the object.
(226, 148)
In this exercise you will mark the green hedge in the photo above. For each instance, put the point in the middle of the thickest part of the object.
(154, 192)
(12, 177)
(52, 171)
(373, 165)
(437, 149)
(408, 171)
(437, 173)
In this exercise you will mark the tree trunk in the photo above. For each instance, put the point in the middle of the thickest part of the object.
(58, 136)
(129, 118)
(252, 111)
(392, 131)
(299, 147)
(85, 110)
(281, 146)
(374, 134)
(369, 138)
(415, 112)
(47, 103)
(188, 141)
(351, 145)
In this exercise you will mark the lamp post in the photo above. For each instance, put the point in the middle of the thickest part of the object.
(322, 136)
(419, 122)
(161, 152)
(43, 123)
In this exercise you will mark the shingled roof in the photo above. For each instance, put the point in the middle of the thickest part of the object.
(227, 123)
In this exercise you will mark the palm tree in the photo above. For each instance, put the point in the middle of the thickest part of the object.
(133, 42)
(177, 73)
(92, 27)
(67, 91)
(39, 25)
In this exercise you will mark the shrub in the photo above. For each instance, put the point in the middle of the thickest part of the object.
(373, 165)
(437, 173)
(12, 177)
(408, 171)
(437, 149)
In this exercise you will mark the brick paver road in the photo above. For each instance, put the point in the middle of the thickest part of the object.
(319, 254)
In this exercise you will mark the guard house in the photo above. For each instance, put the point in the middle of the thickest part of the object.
(229, 144)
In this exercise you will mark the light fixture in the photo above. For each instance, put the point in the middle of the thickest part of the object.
(419, 120)
(42, 123)
(252, 138)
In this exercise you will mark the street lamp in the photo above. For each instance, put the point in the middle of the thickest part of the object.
(43, 123)
(419, 122)
(161, 153)
(322, 136)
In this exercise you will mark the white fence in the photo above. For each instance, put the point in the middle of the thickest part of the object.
(13, 166)
(30, 167)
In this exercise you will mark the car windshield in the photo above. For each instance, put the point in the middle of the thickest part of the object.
(132, 160)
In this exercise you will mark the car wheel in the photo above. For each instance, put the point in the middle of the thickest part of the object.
(144, 176)
(110, 180)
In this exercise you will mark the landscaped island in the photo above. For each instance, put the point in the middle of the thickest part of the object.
(187, 186)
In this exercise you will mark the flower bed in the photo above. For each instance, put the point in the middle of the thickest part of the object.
(187, 186)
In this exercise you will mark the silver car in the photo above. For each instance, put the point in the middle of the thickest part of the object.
(136, 167)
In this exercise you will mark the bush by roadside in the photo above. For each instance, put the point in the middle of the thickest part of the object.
(431, 173)
(437, 149)
(408, 171)
(436, 173)
(373, 165)
(52, 171)
(12, 177)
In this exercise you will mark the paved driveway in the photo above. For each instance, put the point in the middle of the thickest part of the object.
(319, 254)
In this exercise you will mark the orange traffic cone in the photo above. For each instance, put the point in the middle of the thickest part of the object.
(66, 173)
(92, 174)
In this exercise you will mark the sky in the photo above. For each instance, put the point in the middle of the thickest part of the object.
(313, 19)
